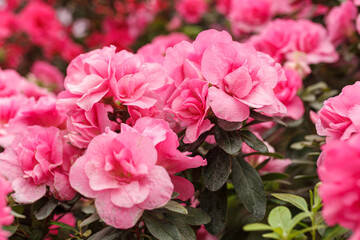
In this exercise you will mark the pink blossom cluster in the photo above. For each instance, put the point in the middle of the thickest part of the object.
(5, 212)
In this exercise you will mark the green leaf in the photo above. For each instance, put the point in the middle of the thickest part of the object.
(176, 207)
(249, 187)
(297, 219)
(269, 154)
(18, 215)
(46, 210)
(256, 227)
(262, 165)
(271, 235)
(334, 232)
(63, 225)
(280, 217)
(107, 233)
(217, 171)
(274, 176)
(230, 142)
(161, 228)
(11, 229)
(87, 233)
(94, 217)
(228, 126)
(194, 217)
(215, 204)
(317, 199)
(254, 142)
(297, 201)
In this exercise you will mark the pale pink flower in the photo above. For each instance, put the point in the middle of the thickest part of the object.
(339, 117)
(120, 172)
(357, 24)
(339, 173)
(191, 10)
(155, 51)
(48, 75)
(5, 212)
(340, 22)
(188, 103)
(357, 2)
(38, 158)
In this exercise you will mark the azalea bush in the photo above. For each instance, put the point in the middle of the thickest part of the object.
(185, 119)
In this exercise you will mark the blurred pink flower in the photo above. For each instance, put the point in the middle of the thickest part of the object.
(5, 212)
(191, 10)
(340, 190)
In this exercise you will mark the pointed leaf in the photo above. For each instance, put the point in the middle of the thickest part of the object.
(253, 141)
(94, 217)
(297, 219)
(46, 210)
(63, 225)
(271, 235)
(217, 171)
(297, 201)
(161, 228)
(230, 142)
(249, 187)
(215, 204)
(176, 207)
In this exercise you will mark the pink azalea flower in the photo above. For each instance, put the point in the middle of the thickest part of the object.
(155, 51)
(188, 103)
(83, 125)
(340, 22)
(191, 10)
(340, 190)
(38, 158)
(120, 172)
(48, 75)
(339, 117)
(5, 212)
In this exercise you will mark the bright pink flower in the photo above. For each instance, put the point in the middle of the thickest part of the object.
(166, 143)
(340, 22)
(155, 51)
(7, 24)
(339, 173)
(10, 81)
(284, 38)
(38, 158)
(5, 212)
(39, 21)
(339, 118)
(42, 112)
(188, 103)
(68, 219)
(48, 75)
(191, 10)
(120, 172)
(286, 92)
(83, 125)
(202, 234)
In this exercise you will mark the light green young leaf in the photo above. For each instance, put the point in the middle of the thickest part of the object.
(297, 201)
(272, 235)
(280, 217)
(256, 227)
(297, 219)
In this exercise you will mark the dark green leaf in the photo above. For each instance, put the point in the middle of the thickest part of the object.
(46, 210)
(36, 234)
(161, 228)
(186, 232)
(229, 126)
(11, 229)
(215, 204)
(230, 142)
(274, 176)
(94, 217)
(217, 171)
(107, 233)
(194, 217)
(333, 232)
(253, 141)
(263, 164)
(195, 145)
(63, 225)
(269, 154)
(249, 187)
